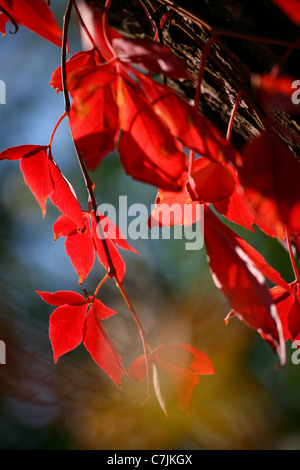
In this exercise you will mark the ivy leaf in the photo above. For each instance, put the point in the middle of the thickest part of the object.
(81, 245)
(147, 149)
(291, 8)
(45, 179)
(288, 306)
(242, 282)
(175, 372)
(174, 208)
(76, 320)
(150, 57)
(191, 128)
(270, 176)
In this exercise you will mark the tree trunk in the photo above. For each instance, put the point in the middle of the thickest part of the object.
(250, 38)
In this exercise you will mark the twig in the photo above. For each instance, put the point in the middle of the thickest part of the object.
(293, 262)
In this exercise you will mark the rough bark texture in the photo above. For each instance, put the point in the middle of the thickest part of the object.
(231, 60)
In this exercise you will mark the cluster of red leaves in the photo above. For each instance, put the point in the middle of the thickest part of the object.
(116, 105)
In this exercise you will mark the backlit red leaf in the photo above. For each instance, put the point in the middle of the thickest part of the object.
(174, 208)
(270, 176)
(147, 149)
(101, 348)
(291, 8)
(150, 56)
(193, 130)
(175, 373)
(214, 180)
(77, 319)
(274, 92)
(235, 274)
(288, 306)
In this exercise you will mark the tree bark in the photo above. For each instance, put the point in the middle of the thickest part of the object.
(250, 38)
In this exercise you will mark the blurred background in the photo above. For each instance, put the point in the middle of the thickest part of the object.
(247, 404)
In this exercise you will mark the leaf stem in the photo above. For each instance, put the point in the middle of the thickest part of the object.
(204, 57)
(11, 19)
(89, 184)
(293, 262)
(142, 332)
(56, 127)
(233, 113)
(106, 277)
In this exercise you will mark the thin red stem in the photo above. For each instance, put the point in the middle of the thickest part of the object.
(233, 113)
(56, 127)
(293, 262)
(106, 277)
(141, 330)
(205, 54)
(161, 25)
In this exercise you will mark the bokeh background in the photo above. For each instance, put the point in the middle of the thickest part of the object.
(247, 404)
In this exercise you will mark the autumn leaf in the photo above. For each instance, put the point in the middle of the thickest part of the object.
(82, 245)
(175, 373)
(3, 20)
(288, 307)
(291, 8)
(274, 92)
(76, 320)
(150, 56)
(214, 180)
(270, 176)
(35, 15)
(174, 208)
(237, 275)
(147, 149)
(191, 128)
(45, 179)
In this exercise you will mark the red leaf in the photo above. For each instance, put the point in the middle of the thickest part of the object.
(101, 348)
(93, 19)
(236, 208)
(175, 373)
(171, 209)
(192, 129)
(80, 249)
(82, 244)
(64, 197)
(150, 56)
(117, 259)
(147, 149)
(62, 298)
(3, 20)
(291, 8)
(81, 61)
(271, 176)
(35, 15)
(78, 319)
(275, 92)
(235, 274)
(214, 180)
(35, 167)
(288, 307)
(94, 123)
(66, 327)
(44, 179)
